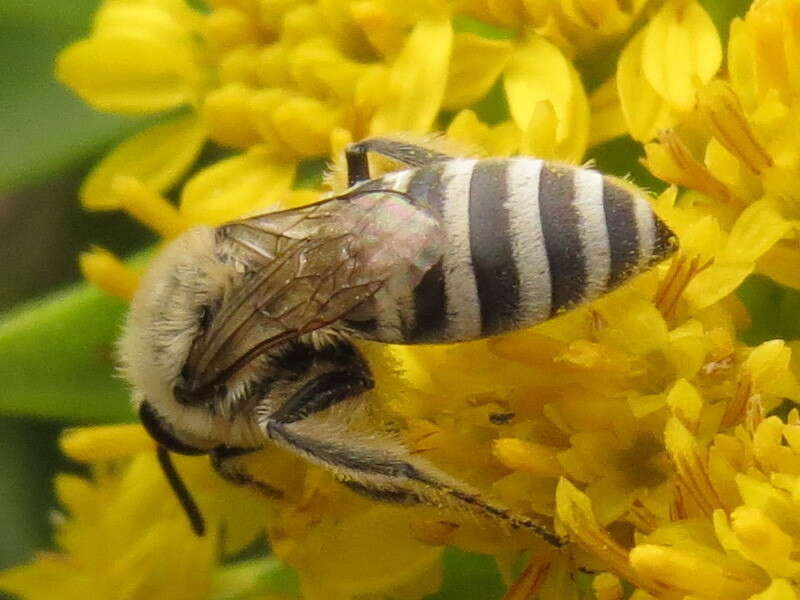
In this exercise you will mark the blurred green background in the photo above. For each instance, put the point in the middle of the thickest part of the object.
(48, 141)
(56, 335)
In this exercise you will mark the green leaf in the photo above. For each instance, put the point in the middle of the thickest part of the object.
(26, 495)
(467, 24)
(466, 577)
(774, 310)
(722, 12)
(256, 578)
(469, 577)
(44, 129)
(309, 173)
(621, 157)
(56, 358)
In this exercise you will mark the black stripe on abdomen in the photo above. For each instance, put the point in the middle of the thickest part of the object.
(430, 299)
(493, 263)
(623, 237)
(560, 229)
(665, 241)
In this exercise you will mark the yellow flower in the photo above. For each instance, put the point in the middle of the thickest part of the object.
(576, 26)
(662, 66)
(640, 423)
(120, 539)
(744, 144)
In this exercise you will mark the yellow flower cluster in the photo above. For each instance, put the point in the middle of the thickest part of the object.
(641, 423)
(290, 80)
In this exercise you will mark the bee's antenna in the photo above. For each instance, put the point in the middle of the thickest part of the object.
(181, 491)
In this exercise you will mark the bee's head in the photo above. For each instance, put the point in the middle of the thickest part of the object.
(168, 313)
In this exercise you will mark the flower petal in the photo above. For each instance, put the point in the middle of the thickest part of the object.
(767, 368)
(782, 263)
(130, 73)
(105, 442)
(344, 557)
(742, 68)
(227, 115)
(157, 157)
(756, 230)
(685, 403)
(235, 187)
(305, 125)
(763, 542)
(776, 504)
(779, 589)
(109, 273)
(709, 575)
(147, 207)
(321, 70)
(475, 65)
(521, 455)
(694, 52)
(608, 119)
(417, 80)
(539, 74)
(645, 111)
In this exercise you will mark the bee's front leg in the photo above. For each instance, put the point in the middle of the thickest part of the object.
(221, 457)
(322, 392)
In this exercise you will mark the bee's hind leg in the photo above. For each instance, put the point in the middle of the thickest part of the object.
(413, 155)
(383, 495)
(316, 423)
(377, 465)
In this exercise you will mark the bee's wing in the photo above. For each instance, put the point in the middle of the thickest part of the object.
(306, 268)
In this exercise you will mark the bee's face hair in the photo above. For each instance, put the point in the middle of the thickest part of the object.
(165, 318)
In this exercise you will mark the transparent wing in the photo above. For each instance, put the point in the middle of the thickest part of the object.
(306, 268)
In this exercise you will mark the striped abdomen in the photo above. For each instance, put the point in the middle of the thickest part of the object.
(526, 240)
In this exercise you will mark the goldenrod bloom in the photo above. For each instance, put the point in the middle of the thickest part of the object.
(641, 423)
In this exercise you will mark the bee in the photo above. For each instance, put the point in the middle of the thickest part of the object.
(242, 335)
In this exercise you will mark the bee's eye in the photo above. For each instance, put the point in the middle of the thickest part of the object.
(162, 434)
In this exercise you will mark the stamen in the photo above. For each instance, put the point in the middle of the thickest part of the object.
(744, 406)
(722, 114)
(642, 518)
(671, 160)
(691, 466)
(575, 511)
(679, 276)
(529, 583)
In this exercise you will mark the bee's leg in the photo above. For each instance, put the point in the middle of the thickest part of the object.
(413, 155)
(383, 494)
(323, 392)
(377, 465)
(221, 462)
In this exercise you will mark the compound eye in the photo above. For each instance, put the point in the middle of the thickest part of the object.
(162, 433)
